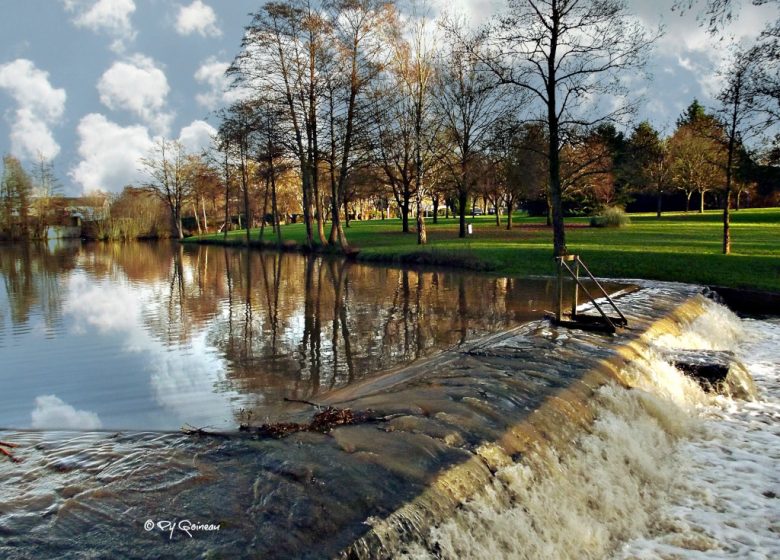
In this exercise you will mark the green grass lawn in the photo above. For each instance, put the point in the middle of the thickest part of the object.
(679, 247)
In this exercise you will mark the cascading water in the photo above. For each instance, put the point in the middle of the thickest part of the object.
(665, 470)
(725, 501)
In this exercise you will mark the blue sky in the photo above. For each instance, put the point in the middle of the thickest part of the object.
(90, 83)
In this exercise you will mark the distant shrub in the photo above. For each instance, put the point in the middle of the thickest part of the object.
(611, 217)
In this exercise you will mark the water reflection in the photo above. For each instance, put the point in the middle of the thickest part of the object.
(151, 336)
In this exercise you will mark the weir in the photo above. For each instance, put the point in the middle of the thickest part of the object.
(444, 431)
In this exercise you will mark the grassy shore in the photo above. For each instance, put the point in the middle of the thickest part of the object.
(679, 247)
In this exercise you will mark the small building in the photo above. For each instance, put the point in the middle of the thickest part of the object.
(73, 213)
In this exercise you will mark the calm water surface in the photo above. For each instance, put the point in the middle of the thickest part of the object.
(154, 336)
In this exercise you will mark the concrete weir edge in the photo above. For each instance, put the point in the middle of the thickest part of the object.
(569, 410)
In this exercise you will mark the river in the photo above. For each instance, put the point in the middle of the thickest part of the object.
(153, 336)
(487, 433)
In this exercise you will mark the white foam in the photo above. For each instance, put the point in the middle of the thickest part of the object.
(666, 472)
(723, 505)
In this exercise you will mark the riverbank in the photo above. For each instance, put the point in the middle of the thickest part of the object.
(677, 247)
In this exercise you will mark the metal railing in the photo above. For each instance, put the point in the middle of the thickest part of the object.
(578, 320)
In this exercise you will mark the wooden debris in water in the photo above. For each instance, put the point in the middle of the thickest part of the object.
(11, 456)
(322, 422)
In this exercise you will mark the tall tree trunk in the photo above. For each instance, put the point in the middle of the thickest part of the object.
(701, 202)
(422, 235)
(559, 233)
(509, 207)
(321, 221)
(274, 206)
(315, 153)
(203, 207)
(245, 188)
(727, 223)
(265, 210)
(307, 207)
(463, 198)
(318, 209)
(659, 201)
(348, 132)
(435, 200)
(227, 196)
(336, 230)
(405, 203)
(179, 227)
(729, 174)
(197, 219)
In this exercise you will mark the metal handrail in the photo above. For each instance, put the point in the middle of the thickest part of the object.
(603, 291)
(574, 273)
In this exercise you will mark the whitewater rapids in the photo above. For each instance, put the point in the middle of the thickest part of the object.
(666, 470)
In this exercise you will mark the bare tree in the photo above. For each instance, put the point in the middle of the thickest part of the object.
(419, 80)
(45, 187)
(15, 190)
(280, 53)
(393, 146)
(238, 127)
(402, 111)
(715, 14)
(362, 30)
(741, 110)
(570, 55)
(167, 173)
(469, 104)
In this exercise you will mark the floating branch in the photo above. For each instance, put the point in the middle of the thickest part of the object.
(7, 453)
(322, 422)
(193, 431)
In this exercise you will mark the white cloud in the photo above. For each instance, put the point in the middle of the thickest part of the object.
(139, 86)
(212, 73)
(52, 412)
(31, 136)
(39, 105)
(475, 12)
(109, 16)
(197, 136)
(110, 154)
(197, 18)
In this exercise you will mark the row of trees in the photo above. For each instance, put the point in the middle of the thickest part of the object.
(367, 102)
(351, 88)
(348, 104)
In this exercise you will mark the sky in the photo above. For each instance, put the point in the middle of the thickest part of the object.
(89, 84)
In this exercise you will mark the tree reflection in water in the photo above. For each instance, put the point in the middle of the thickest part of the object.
(282, 325)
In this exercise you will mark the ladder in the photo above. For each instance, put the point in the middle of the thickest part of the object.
(571, 265)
